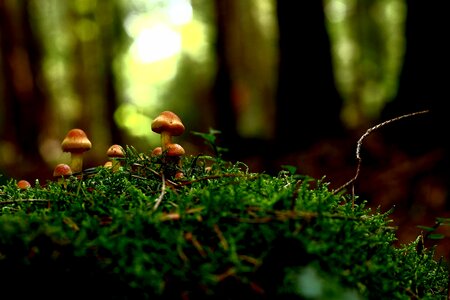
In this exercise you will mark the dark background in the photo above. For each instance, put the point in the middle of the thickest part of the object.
(281, 94)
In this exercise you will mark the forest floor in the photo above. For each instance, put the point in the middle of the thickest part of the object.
(415, 186)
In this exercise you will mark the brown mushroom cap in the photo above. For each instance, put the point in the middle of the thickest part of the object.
(169, 122)
(175, 150)
(76, 141)
(115, 151)
(157, 151)
(62, 170)
(23, 184)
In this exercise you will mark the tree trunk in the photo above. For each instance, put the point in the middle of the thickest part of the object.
(244, 89)
(308, 103)
(224, 112)
(24, 100)
(423, 81)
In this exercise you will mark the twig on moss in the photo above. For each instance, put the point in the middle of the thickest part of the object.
(359, 144)
(284, 215)
(182, 183)
(161, 195)
(22, 200)
(154, 172)
(295, 194)
(222, 240)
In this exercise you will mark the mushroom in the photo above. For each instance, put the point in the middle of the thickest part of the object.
(167, 124)
(23, 184)
(114, 152)
(76, 142)
(61, 172)
(179, 175)
(174, 153)
(157, 151)
(174, 150)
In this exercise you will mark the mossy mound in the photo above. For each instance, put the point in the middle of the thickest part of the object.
(220, 232)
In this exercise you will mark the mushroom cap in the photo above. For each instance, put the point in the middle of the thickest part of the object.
(23, 184)
(62, 170)
(76, 141)
(174, 150)
(168, 121)
(157, 151)
(115, 151)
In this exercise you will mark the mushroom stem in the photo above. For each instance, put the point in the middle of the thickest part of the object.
(115, 165)
(76, 163)
(166, 139)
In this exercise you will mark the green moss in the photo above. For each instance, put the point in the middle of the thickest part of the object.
(220, 232)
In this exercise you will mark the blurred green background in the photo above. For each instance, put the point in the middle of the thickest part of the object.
(109, 67)
(286, 82)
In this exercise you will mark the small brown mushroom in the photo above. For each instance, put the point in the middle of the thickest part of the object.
(157, 151)
(76, 142)
(115, 153)
(175, 150)
(167, 124)
(23, 184)
(61, 172)
(174, 153)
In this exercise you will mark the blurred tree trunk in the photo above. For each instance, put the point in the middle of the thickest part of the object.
(226, 120)
(424, 80)
(422, 141)
(112, 42)
(308, 103)
(247, 66)
(94, 78)
(24, 101)
(32, 119)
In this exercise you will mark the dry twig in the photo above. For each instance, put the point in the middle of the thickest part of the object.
(163, 191)
(359, 144)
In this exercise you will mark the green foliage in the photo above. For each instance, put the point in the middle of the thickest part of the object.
(220, 232)
(210, 140)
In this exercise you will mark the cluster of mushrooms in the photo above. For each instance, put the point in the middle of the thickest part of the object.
(76, 142)
(168, 124)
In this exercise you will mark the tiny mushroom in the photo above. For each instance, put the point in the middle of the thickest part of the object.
(115, 152)
(179, 175)
(76, 142)
(61, 172)
(175, 150)
(157, 151)
(23, 184)
(167, 124)
(174, 153)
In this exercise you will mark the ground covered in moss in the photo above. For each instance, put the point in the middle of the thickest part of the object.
(219, 232)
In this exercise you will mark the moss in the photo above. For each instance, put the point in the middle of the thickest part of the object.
(220, 232)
